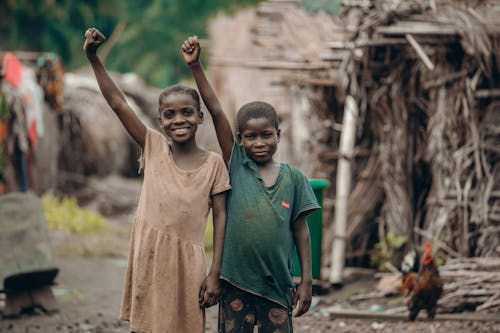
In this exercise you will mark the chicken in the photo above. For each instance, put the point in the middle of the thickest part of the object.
(425, 288)
(409, 268)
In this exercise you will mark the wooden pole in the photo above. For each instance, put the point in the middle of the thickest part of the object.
(342, 190)
(353, 314)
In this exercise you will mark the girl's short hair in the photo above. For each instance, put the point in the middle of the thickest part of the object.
(180, 89)
(254, 110)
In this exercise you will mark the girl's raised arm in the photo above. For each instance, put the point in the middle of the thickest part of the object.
(113, 95)
(191, 51)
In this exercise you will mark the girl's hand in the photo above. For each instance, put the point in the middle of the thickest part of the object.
(210, 291)
(303, 297)
(93, 39)
(191, 50)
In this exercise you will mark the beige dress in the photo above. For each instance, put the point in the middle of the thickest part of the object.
(166, 264)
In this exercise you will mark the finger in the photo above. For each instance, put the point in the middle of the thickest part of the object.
(87, 33)
(196, 42)
(99, 36)
(300, 310)
(295, 300)
(201, 293)
(206, 299)
(303, 308)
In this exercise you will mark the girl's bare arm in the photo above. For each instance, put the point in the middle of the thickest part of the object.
(113, 95)
(210, 289)
(219, 220)
(191, 51)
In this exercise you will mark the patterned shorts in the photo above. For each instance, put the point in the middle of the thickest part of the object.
(240, 311)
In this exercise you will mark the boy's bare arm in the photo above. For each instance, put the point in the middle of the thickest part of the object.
(113, 95)
(191, 51)
(303, 295)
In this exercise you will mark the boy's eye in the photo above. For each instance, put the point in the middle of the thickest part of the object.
(187, 112)
(267, 135)
(249, 136)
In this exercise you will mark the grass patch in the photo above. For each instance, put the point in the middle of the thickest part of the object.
(209, 235)
(66, 215)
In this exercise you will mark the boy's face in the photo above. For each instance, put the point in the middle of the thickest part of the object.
(180, 117)
(260, 139)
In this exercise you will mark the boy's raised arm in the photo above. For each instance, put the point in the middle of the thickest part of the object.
(113, 95)
(191, 51)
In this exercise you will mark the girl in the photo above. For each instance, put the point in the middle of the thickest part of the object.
(165, 285)
(266, 217)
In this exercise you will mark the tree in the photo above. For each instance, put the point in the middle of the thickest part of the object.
(150, 32)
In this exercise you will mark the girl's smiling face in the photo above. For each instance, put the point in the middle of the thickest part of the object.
(180, 117)
(260, 139)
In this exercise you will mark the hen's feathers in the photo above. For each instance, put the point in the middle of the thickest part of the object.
(424, 289)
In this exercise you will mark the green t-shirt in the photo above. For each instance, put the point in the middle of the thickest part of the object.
(258, 245)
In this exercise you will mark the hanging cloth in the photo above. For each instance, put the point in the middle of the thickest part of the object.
(12, 68)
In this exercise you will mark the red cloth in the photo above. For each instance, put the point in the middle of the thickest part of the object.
(12, 68)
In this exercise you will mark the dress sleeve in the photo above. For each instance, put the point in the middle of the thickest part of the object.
(304, 199)
(221, 177)
(152, 143)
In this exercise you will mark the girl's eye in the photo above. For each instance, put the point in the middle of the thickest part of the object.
(267, 135)
(168, 114)
(187, 112)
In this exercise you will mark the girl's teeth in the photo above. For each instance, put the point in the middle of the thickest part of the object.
(181, 130)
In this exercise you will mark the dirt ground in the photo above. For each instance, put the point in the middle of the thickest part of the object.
(89, 289)
(89, 292)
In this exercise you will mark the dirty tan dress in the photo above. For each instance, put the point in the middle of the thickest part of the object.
(166, 264)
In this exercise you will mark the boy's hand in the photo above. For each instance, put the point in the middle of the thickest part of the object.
(303, 297)
(93, 39)
(191, 50)
(210, 291)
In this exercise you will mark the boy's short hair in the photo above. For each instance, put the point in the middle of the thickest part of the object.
(254, 110)
(180, 89)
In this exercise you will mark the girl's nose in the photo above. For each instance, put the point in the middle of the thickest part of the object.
(179, 119)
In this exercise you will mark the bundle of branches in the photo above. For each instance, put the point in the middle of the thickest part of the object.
(425, 75)
(471, 284)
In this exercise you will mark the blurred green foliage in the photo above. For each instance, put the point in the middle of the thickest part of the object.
(386, 249)
(149, 43)
(209, 235)
(66, 215)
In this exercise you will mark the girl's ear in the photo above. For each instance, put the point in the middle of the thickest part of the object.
(201, 117)
(278, 133)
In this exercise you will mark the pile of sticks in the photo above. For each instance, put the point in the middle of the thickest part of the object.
(471, 284)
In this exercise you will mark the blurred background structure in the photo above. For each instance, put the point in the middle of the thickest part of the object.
(424, 76)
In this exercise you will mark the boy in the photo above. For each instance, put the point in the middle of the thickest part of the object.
(266, 217)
